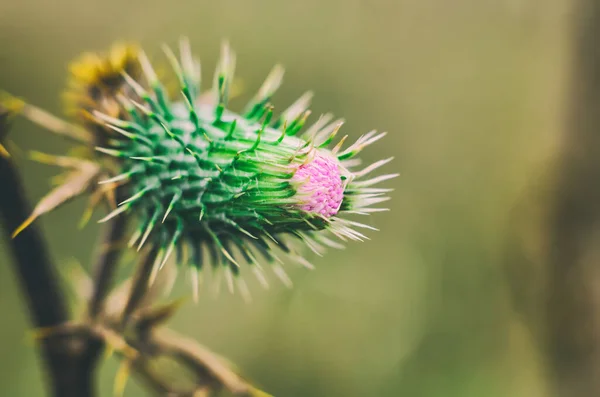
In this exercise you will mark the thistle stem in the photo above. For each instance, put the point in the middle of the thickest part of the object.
(69, 360)
(106, 265)
(139, 285)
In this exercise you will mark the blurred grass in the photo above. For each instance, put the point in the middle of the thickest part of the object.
(471, 93)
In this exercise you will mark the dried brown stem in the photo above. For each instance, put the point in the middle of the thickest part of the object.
(202, 361)
(210, 371)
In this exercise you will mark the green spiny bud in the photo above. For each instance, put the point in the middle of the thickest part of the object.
(200, 178)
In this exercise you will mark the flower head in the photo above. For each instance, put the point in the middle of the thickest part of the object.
(96, 81)
(320, 181)
(199, 177)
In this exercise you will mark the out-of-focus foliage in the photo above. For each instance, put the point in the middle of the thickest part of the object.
(472, 95)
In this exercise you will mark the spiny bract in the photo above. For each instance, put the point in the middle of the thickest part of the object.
(200, 177)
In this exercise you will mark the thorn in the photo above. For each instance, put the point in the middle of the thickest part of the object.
(134, 238)
(118, 178)
(296, 109)
(283, 132)
(115, 213)
(372, 167)
(207, 137)
(239, 228)
(151, 159)
(231, 130)
(141, 92)
(229, 279)
(147, 67)
(133, 137)
(174, 239)
(339, 145)
(272, 82)
(108, 120)
(257, 142)
(244, 291)
(156, 267)
(220, 245)
(302, 261)
(195, 283)
(217, 282)
(260, 277)
(174, 200)
(374, 181)
(229, 257)
(336, 129)
(174, 62)
(138, 195)
(317, 127)
(190, 67)
(268, 117)
(298, 123)
(282, 275)
(143, 109)
(110, 152)
(149, 227)
(183, 83)
(364, 141)
(24, 225)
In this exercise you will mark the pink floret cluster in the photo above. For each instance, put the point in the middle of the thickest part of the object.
(321, 182)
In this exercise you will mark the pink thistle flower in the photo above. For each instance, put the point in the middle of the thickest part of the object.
(320, 181)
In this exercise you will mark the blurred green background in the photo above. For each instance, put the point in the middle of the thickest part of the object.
(471, 93)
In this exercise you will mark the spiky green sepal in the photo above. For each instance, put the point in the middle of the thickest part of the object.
(202, 177)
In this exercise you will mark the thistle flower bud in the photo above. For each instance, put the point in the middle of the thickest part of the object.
(200, 177)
